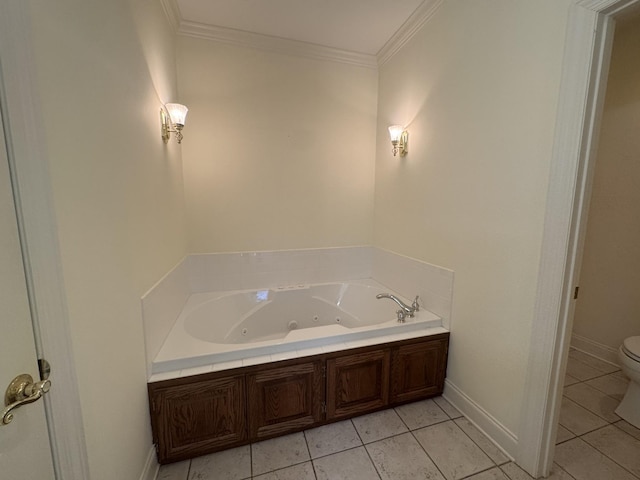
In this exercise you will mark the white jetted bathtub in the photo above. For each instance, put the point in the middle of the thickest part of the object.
(221, 327)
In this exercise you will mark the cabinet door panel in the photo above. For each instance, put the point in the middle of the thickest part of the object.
(201, 417)
(418, 370)
(357, 383)
(285, 399)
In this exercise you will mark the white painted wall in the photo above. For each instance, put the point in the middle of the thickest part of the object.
(477, 88)
(103, 69)
(279, 150)
(608, 309)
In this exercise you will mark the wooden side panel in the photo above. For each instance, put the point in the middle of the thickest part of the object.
(357, 383)
(418, 370)
(285, 399)
(198, 418)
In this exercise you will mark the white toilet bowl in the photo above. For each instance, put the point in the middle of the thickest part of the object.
(629, 356)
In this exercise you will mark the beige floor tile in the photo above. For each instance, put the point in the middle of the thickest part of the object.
(563, 435)
(233, 464)
(611, 384)
(558, 473)
(577, 419)
(581, 371)
(584, 462)
(593, 362)
(482, 441)
(353, 464)
(174, 471)
(621, 447)
(630, 429)
(455, 454)
(302, 471)
(493, 474)
(620, 375)
(593, 400)
(379, 425)
(278, 453)
(447, 407)
(421, 414)
(569, 380)
(514, 472)
(332, 438)
(402, 458)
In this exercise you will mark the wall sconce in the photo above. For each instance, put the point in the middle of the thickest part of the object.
(172, 116)
(399, 138)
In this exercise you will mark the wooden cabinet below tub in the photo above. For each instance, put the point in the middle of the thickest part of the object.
(285, 399)
(357, 383)
(198, 417)
(418, 370)
(201, 414)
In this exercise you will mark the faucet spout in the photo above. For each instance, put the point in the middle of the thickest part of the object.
(403, 306)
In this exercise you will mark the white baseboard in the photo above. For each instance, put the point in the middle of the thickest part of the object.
(595, 349)
(501, 436)
(151, 467)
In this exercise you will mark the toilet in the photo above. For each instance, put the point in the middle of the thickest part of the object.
(629, 356)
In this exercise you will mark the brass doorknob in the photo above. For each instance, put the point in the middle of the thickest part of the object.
(21, 391)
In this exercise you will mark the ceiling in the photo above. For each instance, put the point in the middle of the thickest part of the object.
(362, 26)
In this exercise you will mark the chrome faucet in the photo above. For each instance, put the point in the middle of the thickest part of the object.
(404, 308)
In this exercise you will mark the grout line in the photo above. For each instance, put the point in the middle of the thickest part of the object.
(427, 453)
(471, 475)
(371, 460)
(189, 470)
(495, 464)
(571, 477)
(579, 437)
(364, 445)
(306, 442)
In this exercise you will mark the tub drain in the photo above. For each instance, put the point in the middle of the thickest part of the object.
(244, 331)
(338, 319)
(293, 325)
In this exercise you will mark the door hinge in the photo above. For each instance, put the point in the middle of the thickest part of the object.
(575, 293)
(44, 368)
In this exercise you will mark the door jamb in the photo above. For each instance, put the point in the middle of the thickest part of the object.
(585, 68)
(27, 142)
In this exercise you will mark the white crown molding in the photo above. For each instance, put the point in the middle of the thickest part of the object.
(230, 36)
(275, 44)
(423, 13)
(172, 11)
(606, 7)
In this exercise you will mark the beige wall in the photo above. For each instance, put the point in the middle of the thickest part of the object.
(608, 309)
(477, 88)
(103, 70)
(279, 151)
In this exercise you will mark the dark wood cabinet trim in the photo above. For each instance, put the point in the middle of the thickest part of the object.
(204, 413)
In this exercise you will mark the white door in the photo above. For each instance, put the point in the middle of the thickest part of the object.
(25, 451)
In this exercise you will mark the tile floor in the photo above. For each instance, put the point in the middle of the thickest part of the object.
(593, 443)
(431, 440)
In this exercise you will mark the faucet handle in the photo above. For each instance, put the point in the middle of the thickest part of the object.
(401, 316)
(415, 305)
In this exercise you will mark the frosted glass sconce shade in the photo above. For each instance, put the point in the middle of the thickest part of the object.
(172, 118)
(399, 138)
(177, 112)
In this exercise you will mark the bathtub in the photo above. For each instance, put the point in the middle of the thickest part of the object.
(218, 330)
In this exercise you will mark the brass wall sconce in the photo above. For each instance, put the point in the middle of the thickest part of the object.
(172, 117)
(399, 139)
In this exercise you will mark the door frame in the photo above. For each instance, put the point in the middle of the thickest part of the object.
(587, 54)
(26, 141)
